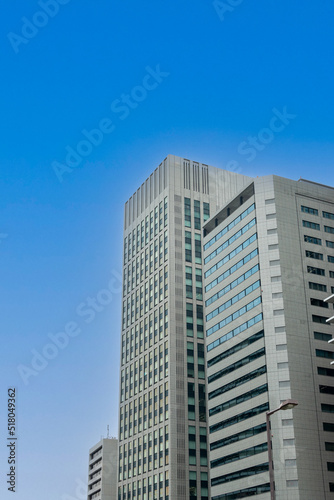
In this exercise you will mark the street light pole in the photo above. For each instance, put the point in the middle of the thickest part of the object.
(286, 405)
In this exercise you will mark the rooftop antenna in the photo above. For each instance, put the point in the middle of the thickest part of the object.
(108, 432)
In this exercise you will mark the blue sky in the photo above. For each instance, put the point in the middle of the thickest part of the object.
(222, 74)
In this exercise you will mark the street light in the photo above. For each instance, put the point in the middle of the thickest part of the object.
(288, 404)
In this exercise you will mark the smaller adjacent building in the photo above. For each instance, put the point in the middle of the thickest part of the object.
(102, 470)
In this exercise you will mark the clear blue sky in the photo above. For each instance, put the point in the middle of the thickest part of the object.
(220, 79)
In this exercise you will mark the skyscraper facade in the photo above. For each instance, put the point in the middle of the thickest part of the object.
(268, 265)
(162, 421)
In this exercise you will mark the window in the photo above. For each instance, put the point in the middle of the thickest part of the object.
(328, 427)
(330, 259)
(314, 255)
(254, 431)
(331, 274)
(311, 225)
(329, 244)
(328, 215)
(189, 283)
(329, 229)
(311, 239)
(188, 246)
(326, 389)
(242, 345)
(250, 471)
(238, 400)
(329, 446)
(249, 452)
(240, 418)
(234, 316)
(317, 286)
(320, 353)
(327, 372)
(197, 215)
(233, 333)
(319, 319)
(232, 285)
(309, 210)
(247, 492)
(322, 336)
(319, 303)
(238, 364)
(187, 212)
(316, 270)
(206, 211)
(198, 249)
(230, 226)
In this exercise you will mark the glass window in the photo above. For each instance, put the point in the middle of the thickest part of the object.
(329, 229)
(314, 255)
(312, 239)
(187, 212)
(328, 215)
(311, 225)
(309, 210)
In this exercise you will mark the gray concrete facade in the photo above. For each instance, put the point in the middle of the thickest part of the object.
(102, 470)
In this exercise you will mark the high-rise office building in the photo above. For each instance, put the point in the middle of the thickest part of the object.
(268, 265)
(162, 419)
(102, 470)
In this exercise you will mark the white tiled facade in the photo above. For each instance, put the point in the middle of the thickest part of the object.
(268, 265)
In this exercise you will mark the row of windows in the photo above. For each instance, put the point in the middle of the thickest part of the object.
(190, 320)
(233, 300)
(319, 303)
(314, 211)
(317, 286)
(239, 455)
(247, 492)
(143, 412)
(202, 448)
(240, 418)
(238, 364)
(320, 353)
(152, 487)
(240, 474)
(188, 247)
(319, 271)
(253, 431)
(145, 334)
(317, 241)
(149, 295)
(232, 285)
(245, 343)
(322, 336)
(202, 492)
(237, 382)
(230, 226)
(232, 317)
(235, 332)
(229, 242)
(314, 225)
(318, 256)
(230, 255)
(191, 359)
(145, 263)
(238, 400)
(144, 372)
(146, 230)
(144, 454)
(198, 283)
(197, 213)
(232, 269)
